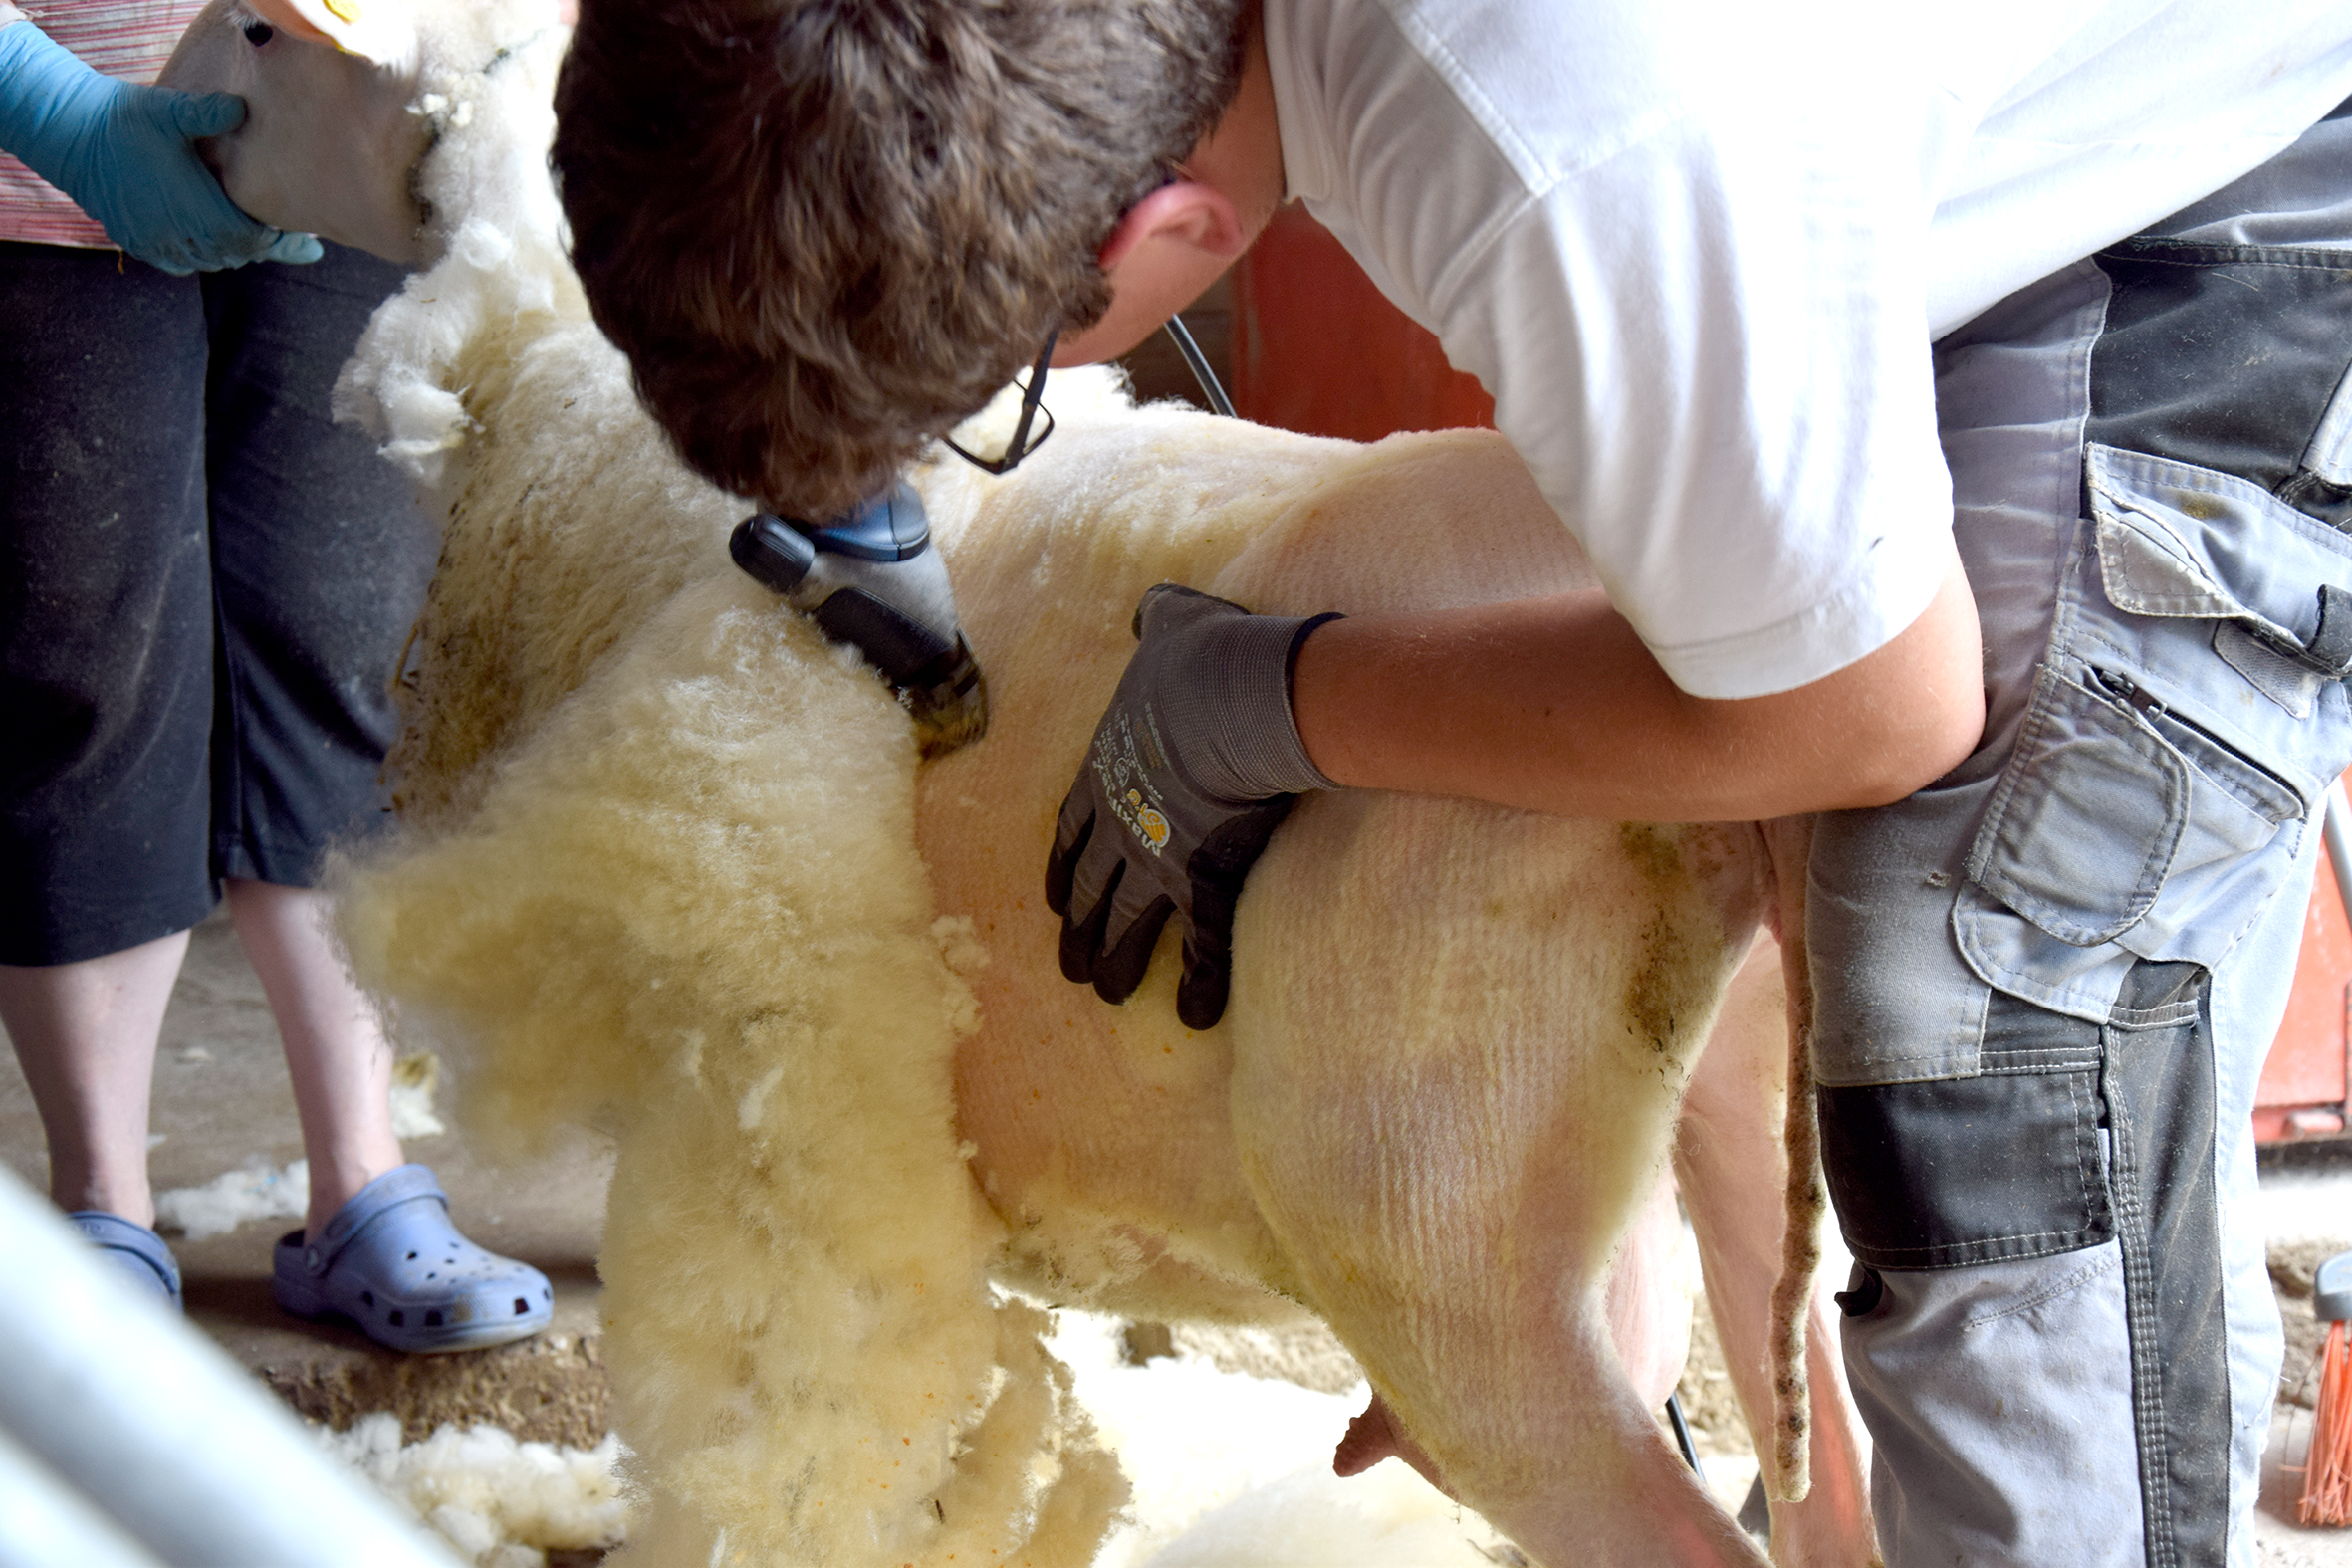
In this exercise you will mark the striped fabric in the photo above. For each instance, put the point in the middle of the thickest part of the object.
(123, 38)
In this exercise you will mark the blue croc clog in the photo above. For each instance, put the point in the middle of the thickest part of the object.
(139, 1252)
(391, 1263)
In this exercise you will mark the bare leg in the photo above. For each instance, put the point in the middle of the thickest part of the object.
(335, 1051)
(85, 1035)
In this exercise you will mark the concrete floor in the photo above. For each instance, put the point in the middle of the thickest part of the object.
(221, 1102)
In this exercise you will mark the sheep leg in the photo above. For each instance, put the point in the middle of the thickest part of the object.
(1729, 1160)
(1649, 1313)
(1512, 1382)
(1649, 1299)
(1448, 1123)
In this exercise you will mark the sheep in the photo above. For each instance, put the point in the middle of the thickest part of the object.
(667, 859)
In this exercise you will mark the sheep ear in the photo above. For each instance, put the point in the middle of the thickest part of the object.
(382, 32)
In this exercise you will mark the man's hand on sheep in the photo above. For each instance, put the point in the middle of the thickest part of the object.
(126, 155)
(1194, 764)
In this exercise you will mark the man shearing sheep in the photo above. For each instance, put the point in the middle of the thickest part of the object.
(1954, 406)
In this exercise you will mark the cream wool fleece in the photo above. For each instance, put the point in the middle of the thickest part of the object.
(685, 905)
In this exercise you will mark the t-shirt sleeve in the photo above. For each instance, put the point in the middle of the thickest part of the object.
(1683, 248)
(1713, 354)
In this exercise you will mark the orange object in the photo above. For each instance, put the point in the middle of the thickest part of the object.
(2304, 1087)
(2327, 1464)
(2327, 1468)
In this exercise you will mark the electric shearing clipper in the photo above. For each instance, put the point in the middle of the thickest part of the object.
(873, 579)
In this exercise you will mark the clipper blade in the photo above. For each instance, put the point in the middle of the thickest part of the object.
(949, 708)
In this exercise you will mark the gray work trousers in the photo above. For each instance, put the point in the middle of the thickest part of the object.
(2046, 985)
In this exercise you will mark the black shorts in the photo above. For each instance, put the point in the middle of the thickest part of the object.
(204, 587)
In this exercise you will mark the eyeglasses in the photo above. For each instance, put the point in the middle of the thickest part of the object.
(1032, 406)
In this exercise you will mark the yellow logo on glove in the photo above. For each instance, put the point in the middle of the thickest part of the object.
(1148, 821)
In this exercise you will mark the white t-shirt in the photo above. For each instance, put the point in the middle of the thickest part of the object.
(1697, 252)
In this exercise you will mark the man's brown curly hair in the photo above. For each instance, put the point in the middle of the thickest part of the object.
(826, 231)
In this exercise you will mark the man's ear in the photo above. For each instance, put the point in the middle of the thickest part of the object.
(1187, 213)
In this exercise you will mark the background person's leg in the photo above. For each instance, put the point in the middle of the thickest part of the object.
(320, 563)
(106, 678)
(321, 559)
(106, 606)
(335, 1051)
(85, 1035)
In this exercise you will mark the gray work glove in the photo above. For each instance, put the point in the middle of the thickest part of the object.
(1194, 764)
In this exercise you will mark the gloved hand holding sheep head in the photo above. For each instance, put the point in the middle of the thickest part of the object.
(126, 155)
(1194, 766)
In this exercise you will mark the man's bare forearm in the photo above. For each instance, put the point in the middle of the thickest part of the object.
(1555, 705)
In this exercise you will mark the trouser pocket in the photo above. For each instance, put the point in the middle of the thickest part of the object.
(2003, 1164)
(2185, 719)
(2189, 708)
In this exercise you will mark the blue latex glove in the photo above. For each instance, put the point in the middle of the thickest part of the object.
(125, 154)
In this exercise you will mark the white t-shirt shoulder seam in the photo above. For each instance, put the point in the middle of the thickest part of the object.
(1529, 206)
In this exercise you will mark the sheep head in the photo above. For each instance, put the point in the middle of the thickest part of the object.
(350, 104)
